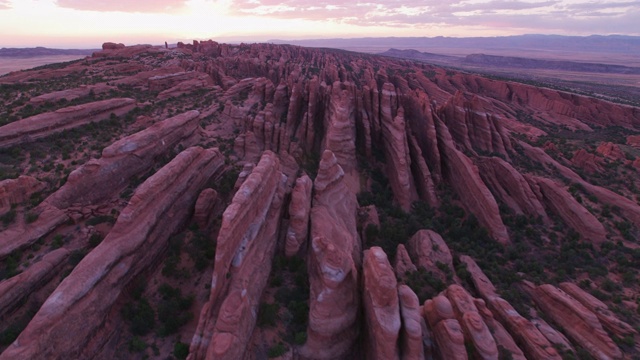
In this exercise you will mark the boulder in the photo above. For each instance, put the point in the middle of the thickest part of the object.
(403, 264)
(432, 253)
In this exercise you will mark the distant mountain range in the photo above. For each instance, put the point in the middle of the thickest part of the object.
(42, 51)
(511, 62)
(593, 43)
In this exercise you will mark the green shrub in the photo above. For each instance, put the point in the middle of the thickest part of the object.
(180, 350)
(268, 314)
(137, 345)
(277, 350)
(140, 316)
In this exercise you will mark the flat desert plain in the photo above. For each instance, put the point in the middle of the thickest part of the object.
(9, 64)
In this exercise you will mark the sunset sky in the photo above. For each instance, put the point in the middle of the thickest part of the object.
(87, 23)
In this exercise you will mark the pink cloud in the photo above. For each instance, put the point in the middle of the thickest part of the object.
(144, 6)
(4, 5)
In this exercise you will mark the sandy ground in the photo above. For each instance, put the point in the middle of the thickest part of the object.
(9, 64)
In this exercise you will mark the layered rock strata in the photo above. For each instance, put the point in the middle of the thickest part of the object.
(579, 323)
(14, 290)
(244, 252)
(299, 210)
(334, 259)
(381, 305)
(43, 125)
(74, 322)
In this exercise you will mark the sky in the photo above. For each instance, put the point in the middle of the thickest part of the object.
(89, 23)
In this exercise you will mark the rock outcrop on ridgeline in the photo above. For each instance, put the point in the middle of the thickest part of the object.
(381, 306)
(508, 185)
(128, 157)
(578, 322)
(340, 135)
(591, 163)
(20, 236)
(16, 191)
(500, 334)
(14, 290)
(98, 179)
(465, 179)
(244, 253)
(43, 125)
(473, 127)
(73, 321)
(396, 150)
(569, 209)
(607, 318)
(334, 259)
(527, 336)
(71, 94)
(299, 209)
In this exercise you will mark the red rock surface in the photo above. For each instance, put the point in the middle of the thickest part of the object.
(411, 334)
(472, 324)
(611, 151)
(589, 162)
(447, 333)
(500, 334)
(607, 318)
(20, 236)
(397, 152)
(130, 156)
(340, 135)
(633, 140)
(71, 94)
(473, 127)
(17, 191)
(14, 290)
(333, 266)
(381, 305)
(246, 242)
(429, 249)
(569, 209)
(508, 185)
(403, 264)
(299, 210)
(465, 179)
(579, 323)
(204, 207)
(43, 125)
(527, 336)
(72, 323)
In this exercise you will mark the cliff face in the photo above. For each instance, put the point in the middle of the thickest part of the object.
(301, 176)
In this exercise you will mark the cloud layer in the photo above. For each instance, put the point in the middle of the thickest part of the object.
(570, 15)
(143, 6)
